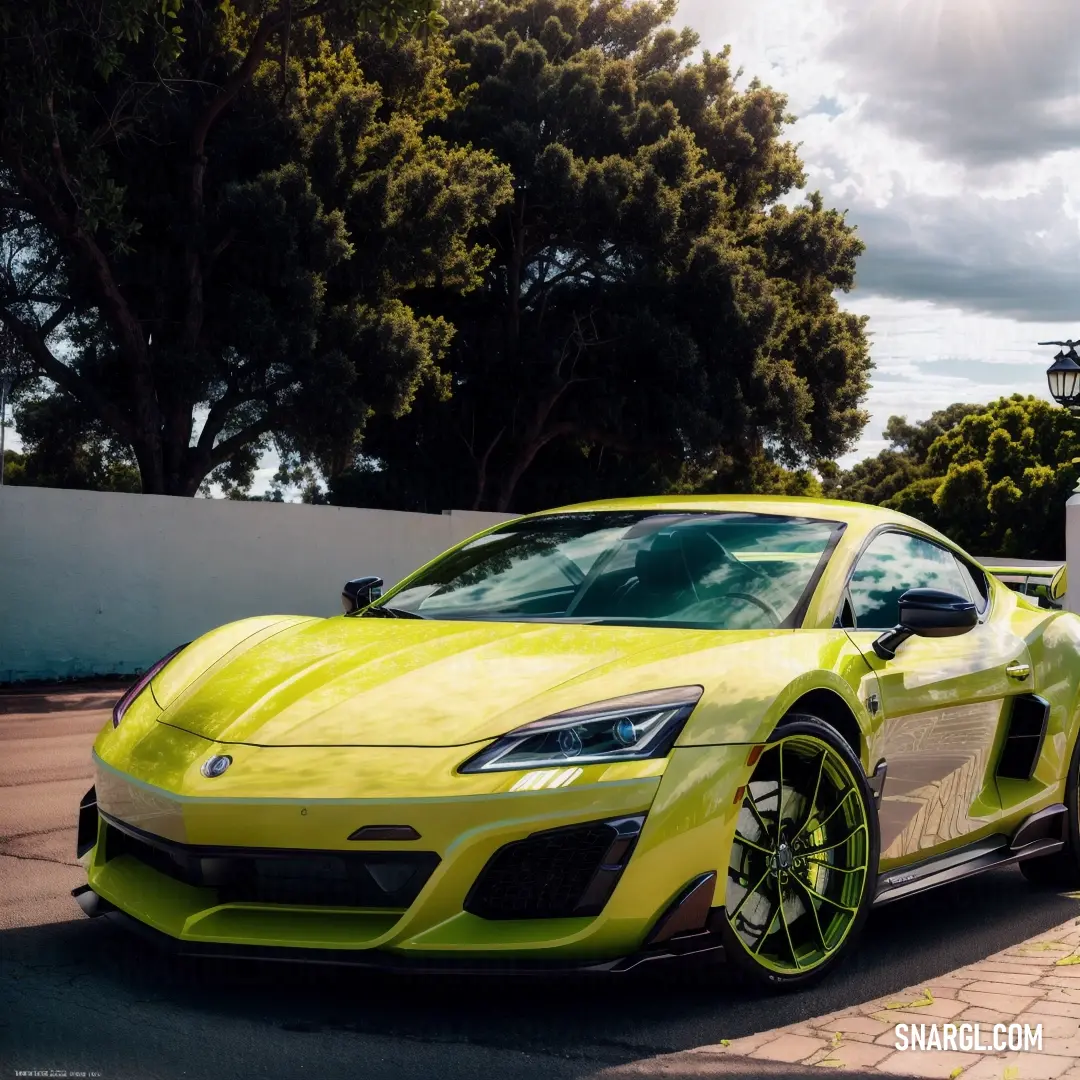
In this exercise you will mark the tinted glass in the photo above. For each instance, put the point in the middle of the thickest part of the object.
(715, 571)
(975, 580)
(892, 564)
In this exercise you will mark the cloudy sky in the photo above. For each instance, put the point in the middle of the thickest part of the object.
(950, 131)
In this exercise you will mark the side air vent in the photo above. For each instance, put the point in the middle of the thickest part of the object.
(88, 824)
(1024, 738)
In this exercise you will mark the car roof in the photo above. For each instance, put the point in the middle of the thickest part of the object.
(861, 517)
(795, 506)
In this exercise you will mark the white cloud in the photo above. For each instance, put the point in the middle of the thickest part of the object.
(950, 131)
(929, 356)
(979, 81)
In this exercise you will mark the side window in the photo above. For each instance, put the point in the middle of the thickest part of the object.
(892, 564)
(846, 619)
(977, 586)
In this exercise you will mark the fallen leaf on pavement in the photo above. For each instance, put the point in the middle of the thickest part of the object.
(926, 999)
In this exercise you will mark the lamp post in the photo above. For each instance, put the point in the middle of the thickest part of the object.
(1063, 375)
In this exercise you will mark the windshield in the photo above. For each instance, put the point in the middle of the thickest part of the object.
(722, 571)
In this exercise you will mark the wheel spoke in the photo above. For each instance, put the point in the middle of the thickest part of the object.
(746, 896)
(836, 843)
(813, 801)
(740, 839)
(813, 912)
(832, 813)
(787, 929)
(780, 793)
(827, 900)
(768, 931)
(839, 869)
(752, 805)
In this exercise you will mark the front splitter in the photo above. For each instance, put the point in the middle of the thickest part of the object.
(704, 943)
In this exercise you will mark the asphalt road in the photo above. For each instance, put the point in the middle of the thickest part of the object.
(81, 996)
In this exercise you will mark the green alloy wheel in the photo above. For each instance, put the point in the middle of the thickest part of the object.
(804, 858)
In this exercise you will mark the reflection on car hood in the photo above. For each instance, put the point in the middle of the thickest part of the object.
(388, 682)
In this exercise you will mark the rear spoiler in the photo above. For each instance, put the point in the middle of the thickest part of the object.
(1054, 579)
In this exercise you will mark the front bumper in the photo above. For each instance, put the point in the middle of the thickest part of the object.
(703, 943)
(688, 817)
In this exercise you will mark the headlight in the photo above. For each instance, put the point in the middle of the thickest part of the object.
(140, 684)
(622, 729)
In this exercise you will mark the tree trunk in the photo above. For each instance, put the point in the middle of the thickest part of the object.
(525, 457)
(168, 465)
(515, 270)
(151, 471)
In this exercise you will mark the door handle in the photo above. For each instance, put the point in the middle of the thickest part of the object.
(1018, 670)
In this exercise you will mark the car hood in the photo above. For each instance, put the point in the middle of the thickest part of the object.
(398, 682)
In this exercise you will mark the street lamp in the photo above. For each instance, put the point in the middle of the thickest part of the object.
(1063, 375)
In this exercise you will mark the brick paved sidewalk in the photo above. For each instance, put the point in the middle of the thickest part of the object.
(1036, 982)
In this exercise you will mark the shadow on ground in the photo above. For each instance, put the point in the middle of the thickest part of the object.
(89, 990)
(61, 698)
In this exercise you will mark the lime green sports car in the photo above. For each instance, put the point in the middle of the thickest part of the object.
(594, 737)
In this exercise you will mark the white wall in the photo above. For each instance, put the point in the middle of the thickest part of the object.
(100, 583)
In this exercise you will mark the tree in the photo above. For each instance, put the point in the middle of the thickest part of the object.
(653, 317)
(64, 448)
(214, 215)
(994, 478)
(879, 478)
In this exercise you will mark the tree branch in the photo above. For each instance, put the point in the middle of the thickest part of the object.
(62, 311)
(281, 19)
(58, 154)
(67, 378)
(235, 83)
(546, 284)
(237, 441)
(482, 468)
(87, 249)
(10, 200)
(219, 248)
(217, 418)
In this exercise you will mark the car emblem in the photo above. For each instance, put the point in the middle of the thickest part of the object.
(216, 765)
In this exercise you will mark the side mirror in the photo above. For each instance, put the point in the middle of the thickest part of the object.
(360, 592)
(927, 613)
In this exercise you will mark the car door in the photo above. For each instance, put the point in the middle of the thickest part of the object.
(942, 700)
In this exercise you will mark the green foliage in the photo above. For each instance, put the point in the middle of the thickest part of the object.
(878, 479)
(652, 318)
(14, 467)
(994, 478)
(217, 221)
(543, 256)
(62, 449)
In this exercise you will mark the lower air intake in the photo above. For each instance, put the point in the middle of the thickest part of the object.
(561, 873)
(348, 879)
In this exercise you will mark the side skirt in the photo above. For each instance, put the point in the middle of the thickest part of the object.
(1040, 834)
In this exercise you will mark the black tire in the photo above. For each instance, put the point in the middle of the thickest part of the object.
(1063, 867)
(737, 952)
